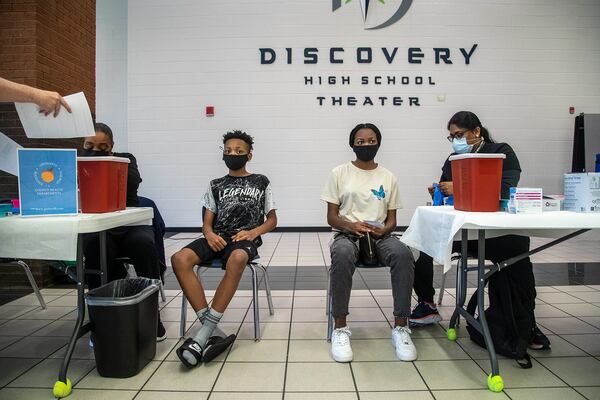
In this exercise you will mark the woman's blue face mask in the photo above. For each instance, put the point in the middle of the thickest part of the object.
(461, 146)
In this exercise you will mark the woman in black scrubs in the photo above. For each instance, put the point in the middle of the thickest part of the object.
(467, 135)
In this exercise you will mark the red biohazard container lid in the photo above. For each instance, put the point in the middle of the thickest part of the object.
(106, 158)
(476, 155)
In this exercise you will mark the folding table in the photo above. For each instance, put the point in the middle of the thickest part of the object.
(432, 230)
(60, 238)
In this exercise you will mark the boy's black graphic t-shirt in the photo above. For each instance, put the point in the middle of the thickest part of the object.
(239, 203)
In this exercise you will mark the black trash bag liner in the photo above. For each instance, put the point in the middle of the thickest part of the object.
(122, 291)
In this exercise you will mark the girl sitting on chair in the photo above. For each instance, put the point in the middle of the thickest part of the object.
(362, 198)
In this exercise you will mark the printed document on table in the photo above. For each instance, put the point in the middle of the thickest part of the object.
(65, 125)
(8, 154)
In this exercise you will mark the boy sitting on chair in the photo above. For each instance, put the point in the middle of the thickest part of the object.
(234, 219)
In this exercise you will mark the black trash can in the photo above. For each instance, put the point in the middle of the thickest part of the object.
(124, 314)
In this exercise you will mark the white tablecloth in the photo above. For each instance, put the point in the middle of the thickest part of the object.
(433, 229)
(55, 238)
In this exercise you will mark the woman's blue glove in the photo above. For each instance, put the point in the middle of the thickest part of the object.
(438, 196)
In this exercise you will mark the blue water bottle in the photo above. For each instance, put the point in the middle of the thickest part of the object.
(598, 162)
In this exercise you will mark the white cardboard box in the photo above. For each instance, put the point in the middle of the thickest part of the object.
(582, 192)
(525, 201)
(553, 203)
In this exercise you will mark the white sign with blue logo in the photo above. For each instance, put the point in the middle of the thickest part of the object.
(48, 181)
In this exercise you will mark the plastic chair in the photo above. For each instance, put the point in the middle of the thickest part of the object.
(32, 281)
(253, 266)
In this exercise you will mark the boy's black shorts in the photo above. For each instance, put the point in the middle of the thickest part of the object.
(206, 254)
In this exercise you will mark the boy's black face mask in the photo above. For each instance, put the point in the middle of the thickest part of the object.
(235, 162)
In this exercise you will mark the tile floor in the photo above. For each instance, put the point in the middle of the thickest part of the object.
(292, 360)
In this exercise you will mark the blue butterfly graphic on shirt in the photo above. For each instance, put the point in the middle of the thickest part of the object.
(380, 194)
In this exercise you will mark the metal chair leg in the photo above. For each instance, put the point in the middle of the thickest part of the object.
(328, 308)
(32, 282)
(183, 315)
(162, 292)
(267, 288)
(442, 288)
(328, 287)
(255, 302)
(184, 308)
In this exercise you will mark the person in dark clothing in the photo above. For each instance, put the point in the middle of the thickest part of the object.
(135, 242)
(101, 145)
(467, 135)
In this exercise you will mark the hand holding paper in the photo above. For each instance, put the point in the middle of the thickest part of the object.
(50, 102)
(47, 101)
(77, 123)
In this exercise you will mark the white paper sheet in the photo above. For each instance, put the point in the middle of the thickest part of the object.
(376, 224)
(65, 125)
(8, 154)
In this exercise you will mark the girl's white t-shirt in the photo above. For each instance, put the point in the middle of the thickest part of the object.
(362, 195)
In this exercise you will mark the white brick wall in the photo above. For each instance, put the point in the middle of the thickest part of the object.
(111, 68)
(535, 59)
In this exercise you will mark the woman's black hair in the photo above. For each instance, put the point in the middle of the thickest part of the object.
(237, 134)
(468, 120)
(365, 126)
(100, 127)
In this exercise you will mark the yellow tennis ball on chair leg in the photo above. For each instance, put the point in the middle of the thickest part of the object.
(495, 383)
(62, 389)
(451, 334)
